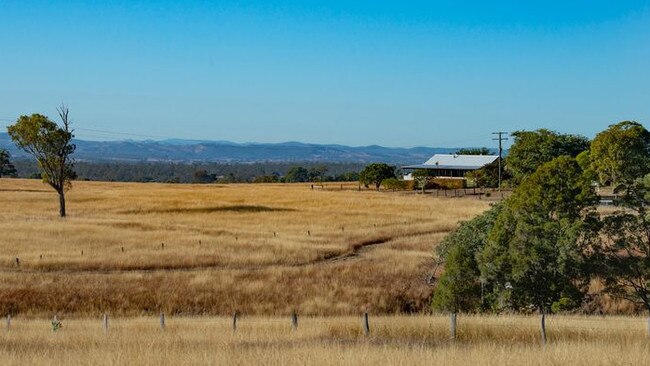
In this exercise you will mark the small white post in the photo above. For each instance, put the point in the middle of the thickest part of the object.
(105, 322)
(162, 321)
(452, 326)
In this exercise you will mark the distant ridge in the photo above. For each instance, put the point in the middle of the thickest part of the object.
(179, 150)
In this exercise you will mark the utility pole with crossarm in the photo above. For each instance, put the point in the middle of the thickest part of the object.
(500, 138)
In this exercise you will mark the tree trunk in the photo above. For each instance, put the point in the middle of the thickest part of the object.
(62, 204)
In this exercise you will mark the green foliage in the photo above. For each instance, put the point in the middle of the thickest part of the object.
(531, 149)
(52, 147)
(266, 179)
(7, 168)
(202, 176)
(488, 176)
(473, 151)
(184, 172)
(538, 250)
(375, 173)
(297, 174)
(624, 255)
(393, 184)
(317, 173)
(459, 288)
(422, 177)
(56, 324)
(621, 154)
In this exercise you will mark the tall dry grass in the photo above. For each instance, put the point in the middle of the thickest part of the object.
(394, 340)
(260, 249)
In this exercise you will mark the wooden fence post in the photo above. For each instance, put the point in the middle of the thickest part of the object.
(234, 321)
(162, 321)
(105, 322)
(294, 321)
(648, 327)
(452, 326)
(366, 325)
(543, 328)
(8, 321)
(17, 262)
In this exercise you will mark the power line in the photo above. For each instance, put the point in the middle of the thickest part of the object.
(500, 139)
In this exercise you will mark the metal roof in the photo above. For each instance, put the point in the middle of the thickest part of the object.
(455, 162)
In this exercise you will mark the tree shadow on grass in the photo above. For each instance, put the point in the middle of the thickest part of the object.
(211, 209)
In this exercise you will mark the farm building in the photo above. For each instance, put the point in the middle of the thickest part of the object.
(451, 165)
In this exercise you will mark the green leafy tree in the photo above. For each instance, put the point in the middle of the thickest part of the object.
(538, 252)
(460, 287)
(393, 184)
(375, 173)
(266, 179)
(317, 173)
(488, 176)
(202, 176)
(52, 147)
(297, 174)
(473, 151)
(6, 166)
(624, 256)
(422, 177)
(621, 154)
(531, 149)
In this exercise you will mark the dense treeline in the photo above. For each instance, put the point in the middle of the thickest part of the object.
(542, 248)
(200, 173)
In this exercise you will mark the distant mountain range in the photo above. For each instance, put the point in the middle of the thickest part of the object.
(177, 150)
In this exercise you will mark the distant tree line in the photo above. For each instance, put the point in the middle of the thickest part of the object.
(543, 247)
(203, 172)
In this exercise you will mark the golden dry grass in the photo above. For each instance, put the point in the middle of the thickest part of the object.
(394, 340)
(260, 249)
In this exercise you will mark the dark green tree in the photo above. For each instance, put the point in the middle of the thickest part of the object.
(375, 173)
(7, 168)
(538, 252)
(52, 147)
(393, 184)
(202, 176)
(488, 176)
(317, 173)
(473, 151)
(422, 177)
(460, 288)
(531, 149)
(297, 174)
(621, 154)
(624, 256)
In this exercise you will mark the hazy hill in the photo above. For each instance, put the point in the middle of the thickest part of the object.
(223, 151)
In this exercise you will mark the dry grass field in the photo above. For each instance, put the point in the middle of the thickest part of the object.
(394, 340)
(265, 251)
(137, 249)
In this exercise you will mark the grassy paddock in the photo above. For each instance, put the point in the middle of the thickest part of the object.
(258, 248)
(394, 340)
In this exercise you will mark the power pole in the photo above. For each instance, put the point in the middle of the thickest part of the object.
(500, 138)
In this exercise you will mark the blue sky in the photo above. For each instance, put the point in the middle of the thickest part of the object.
(393, 73)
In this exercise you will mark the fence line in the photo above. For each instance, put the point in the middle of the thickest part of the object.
(292, 323)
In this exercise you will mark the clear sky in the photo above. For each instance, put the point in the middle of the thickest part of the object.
(393, 73)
